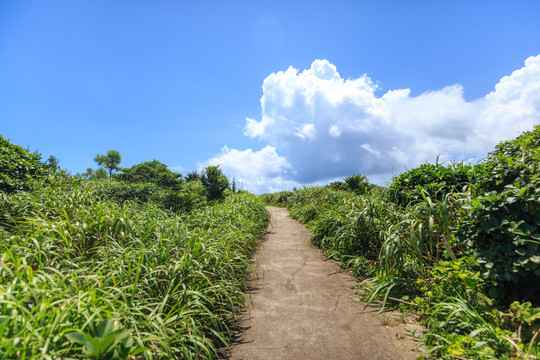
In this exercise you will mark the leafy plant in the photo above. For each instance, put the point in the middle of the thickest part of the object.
(106, 343)
(121, 192)
(502, 226)
(153, 172)
(357, 183)
(190, 196)
(92, 174)
(435, 180)
(19, 168)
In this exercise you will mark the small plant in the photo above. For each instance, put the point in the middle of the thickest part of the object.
(392, 319)
(106, 343)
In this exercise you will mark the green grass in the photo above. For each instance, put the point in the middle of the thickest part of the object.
(85, 276)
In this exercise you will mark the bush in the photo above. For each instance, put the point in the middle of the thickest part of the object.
(278, 199)
(189, 197)
(18, 167)
(436, 180)
(153, 172)
(121, 192)
(503, 226)
(338, 185)
(512, 161)
(358, 184)
(215, 182)
(502, 230)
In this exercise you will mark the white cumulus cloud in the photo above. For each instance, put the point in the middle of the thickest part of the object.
(258, 171)
(331, 127)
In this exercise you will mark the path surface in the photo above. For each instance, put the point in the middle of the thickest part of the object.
(303, 308)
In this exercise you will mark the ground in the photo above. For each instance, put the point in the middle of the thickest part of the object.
(303, 307)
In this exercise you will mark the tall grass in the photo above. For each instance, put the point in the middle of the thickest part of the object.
(397, 240)
(82, 275)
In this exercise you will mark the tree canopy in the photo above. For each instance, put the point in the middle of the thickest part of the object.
(151, 172)
(215, 182)
(109, 161)
(98, 174)
(192, 176)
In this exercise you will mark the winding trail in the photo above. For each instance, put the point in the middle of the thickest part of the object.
(303, 307)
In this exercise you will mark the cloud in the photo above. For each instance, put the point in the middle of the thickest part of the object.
(330, 127)
(258, 171)
(177, 169)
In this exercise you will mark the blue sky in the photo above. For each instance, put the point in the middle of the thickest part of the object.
(349, 86)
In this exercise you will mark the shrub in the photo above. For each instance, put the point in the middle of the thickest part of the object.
(338, 185)
(503, 226)
(436, 180)
(281, 198)
(19, 168)
(512, 161)
(215, 182)
(358, 184)
(189, 197)
(121, 192)
(153, 172)
(502, 230)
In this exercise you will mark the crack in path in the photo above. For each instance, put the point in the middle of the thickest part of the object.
(302, 266)
(337, 303)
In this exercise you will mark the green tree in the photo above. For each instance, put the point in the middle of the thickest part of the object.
(338, 185)
(98, 174)
(357, 183)
(52, 164)
(87, 173)
(151, 172)
(109, 161)
(18, 167)
(214, 182)
(192, 176)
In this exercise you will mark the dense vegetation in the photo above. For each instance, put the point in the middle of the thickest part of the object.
(105, 269)
(458, 244)
(153, 172)
(19, 169)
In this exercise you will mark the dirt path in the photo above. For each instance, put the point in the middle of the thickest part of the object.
(303, 308)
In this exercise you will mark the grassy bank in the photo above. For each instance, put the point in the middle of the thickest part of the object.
(86, 274)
